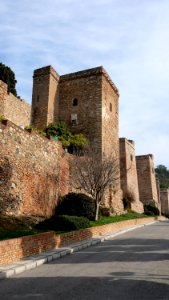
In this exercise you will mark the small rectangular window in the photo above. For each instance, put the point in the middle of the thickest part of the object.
(74, 119)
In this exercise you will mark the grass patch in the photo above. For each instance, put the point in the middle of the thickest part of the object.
(108, 220)
(14, 227)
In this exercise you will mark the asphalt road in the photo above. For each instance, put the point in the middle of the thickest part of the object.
(134, 265)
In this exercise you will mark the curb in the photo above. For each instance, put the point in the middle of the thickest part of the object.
(46, 257)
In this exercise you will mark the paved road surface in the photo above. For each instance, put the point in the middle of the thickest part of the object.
(131, 266)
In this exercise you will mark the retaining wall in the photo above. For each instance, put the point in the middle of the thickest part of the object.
(16, 249)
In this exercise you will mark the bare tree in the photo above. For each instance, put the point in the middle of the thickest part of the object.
(95, 176)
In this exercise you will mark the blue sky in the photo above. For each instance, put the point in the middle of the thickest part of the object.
(129, 38)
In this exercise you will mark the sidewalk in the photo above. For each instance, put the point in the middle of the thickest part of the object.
(46, 257)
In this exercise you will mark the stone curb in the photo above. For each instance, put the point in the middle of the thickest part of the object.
(46, 257)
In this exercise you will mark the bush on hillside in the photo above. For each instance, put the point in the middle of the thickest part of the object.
(74, 204)
(64, 223)
(151, 210)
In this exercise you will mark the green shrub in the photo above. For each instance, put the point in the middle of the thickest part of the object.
(151, 210)
(77, 143)
(37, 130)
(64, 223)
(60, 130)
(74, 204)
(2, 118)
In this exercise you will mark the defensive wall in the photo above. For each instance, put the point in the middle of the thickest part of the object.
(147, 180)
(128, 175)
(14, 109)
(34, 172)
(164, 196)
(88, 102)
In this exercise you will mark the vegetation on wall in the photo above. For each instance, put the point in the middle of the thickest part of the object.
(8, 76)
(163, 176)
(2, 118)
(61, 132)
(36, 130)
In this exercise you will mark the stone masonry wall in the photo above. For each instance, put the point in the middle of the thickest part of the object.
(110, 117)
(34, 171)
(128, 174)
(164, 196)
(110, 136)
(3, 92)
(88, 102)
(147, 180)
(80, 104)
(14, 109)
(45, 97)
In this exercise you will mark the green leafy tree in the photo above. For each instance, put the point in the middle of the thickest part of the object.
(61, 131)
(163, 175)
(8, 76)
(77, 143)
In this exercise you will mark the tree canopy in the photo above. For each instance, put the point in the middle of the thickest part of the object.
(163, 175)
(8, 76)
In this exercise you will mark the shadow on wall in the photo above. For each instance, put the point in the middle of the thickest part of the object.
(42, 192)
(8, 201)
(47, 241)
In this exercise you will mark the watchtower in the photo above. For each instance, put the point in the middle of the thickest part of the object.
(87, 101)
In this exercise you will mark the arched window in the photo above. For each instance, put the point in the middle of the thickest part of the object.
(75, 102)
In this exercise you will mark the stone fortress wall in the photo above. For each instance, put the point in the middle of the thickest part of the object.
(147, 180)
(164, 197)
(34, 172)
(13, 108)
(88, 102)
(128, 174)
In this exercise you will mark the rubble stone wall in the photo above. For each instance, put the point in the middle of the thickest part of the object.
(14, 109)
(164, 196)
(34, 171)
(147, 180)
(128, 174)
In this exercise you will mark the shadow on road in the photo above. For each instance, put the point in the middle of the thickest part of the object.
(122, 286)
(133, 266)
(124, 250)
